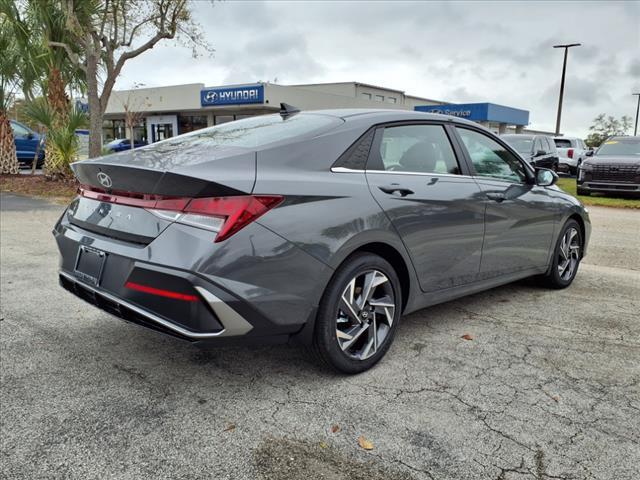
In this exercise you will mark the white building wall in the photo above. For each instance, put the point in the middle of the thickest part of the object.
(311, 99)
(186, 98)
(174, 98)
(346, 89)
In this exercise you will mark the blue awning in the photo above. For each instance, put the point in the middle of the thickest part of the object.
(480, 112)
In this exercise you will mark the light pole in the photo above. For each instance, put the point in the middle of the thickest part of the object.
(635, 130)
(564, 70)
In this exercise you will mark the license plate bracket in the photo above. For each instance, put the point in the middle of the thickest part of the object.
(89, 264)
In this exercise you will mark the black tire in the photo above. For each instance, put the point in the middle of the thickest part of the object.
(325, 343)
(554, 278)
(585, 193)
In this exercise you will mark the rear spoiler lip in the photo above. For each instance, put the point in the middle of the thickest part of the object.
(233, 175)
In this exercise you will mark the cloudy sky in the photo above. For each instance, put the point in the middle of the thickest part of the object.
(498, 52)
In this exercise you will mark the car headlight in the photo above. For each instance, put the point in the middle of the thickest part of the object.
(582, 169)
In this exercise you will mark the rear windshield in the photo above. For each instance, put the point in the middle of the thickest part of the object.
(521, 144)
(562, 143)
(255, 131)
(620, 147)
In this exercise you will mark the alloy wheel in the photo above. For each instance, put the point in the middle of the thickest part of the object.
(365, 314)
(569, 254)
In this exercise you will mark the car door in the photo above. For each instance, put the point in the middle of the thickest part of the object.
(520, 216)
(553, 153)
(418, 179)
(539, 152)
(24, 140)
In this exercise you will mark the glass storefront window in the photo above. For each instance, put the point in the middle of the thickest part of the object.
(190, 123)
(112, 129)
(220, 119)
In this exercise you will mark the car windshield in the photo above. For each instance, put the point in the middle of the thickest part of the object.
(630, 146)
(521, 144)
(562, 143)
(255, 131)
(115, 142)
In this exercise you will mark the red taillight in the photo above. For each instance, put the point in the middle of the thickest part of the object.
(160, 292)
(236, 211)
(570, 153)
(224, 215)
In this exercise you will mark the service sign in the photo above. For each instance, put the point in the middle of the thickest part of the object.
(462, 111)
(232, 95)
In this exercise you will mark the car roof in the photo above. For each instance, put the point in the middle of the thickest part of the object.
(381, 115)
(518, 135)
(624, 138)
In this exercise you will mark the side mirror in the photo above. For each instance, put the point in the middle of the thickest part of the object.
(590, 153)
(30, 135)
(545, 177)
(540, 153)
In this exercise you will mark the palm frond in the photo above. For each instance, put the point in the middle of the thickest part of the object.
(39, 112)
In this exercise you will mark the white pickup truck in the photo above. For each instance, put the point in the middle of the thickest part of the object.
(571, 151)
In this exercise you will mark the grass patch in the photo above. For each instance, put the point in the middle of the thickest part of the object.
(597, 199)
(37, 186)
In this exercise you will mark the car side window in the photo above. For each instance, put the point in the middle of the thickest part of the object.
(490, 159)
(19, 130)
(551, 145)
(538, 146)
(418, 148)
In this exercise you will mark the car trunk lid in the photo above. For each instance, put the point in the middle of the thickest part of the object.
(121, 194)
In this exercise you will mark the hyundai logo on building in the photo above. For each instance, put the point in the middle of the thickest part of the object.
(232, 95)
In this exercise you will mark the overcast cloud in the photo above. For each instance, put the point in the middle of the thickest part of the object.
(498, 52)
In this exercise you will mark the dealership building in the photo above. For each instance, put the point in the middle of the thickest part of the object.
(163, 112)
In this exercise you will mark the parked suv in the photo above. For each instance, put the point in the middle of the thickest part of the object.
(571, 151)
(539, 150)
(614, 168)
(27, 142)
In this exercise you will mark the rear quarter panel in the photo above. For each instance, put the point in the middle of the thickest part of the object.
(329, 215)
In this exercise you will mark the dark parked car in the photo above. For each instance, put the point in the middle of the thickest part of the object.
(121, 144)
(27, 143)
(538, 150)
(320, 227)
(613, 168)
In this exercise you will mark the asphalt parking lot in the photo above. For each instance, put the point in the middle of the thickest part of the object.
(547, 387)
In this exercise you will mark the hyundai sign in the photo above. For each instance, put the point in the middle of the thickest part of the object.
(232, 95)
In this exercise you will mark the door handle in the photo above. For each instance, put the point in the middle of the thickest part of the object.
(496, 196)
(396, 190)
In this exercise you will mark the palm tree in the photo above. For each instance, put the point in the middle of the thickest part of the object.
(8, 85)
(62, 141)
(43, 69)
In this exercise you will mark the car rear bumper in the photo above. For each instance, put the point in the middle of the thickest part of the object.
(255, 287)
(230, 322)
(569, 162)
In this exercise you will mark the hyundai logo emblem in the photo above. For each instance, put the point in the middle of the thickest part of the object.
(105, 180)
(211, 96)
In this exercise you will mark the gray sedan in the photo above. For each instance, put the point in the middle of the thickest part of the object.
(319, 227)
